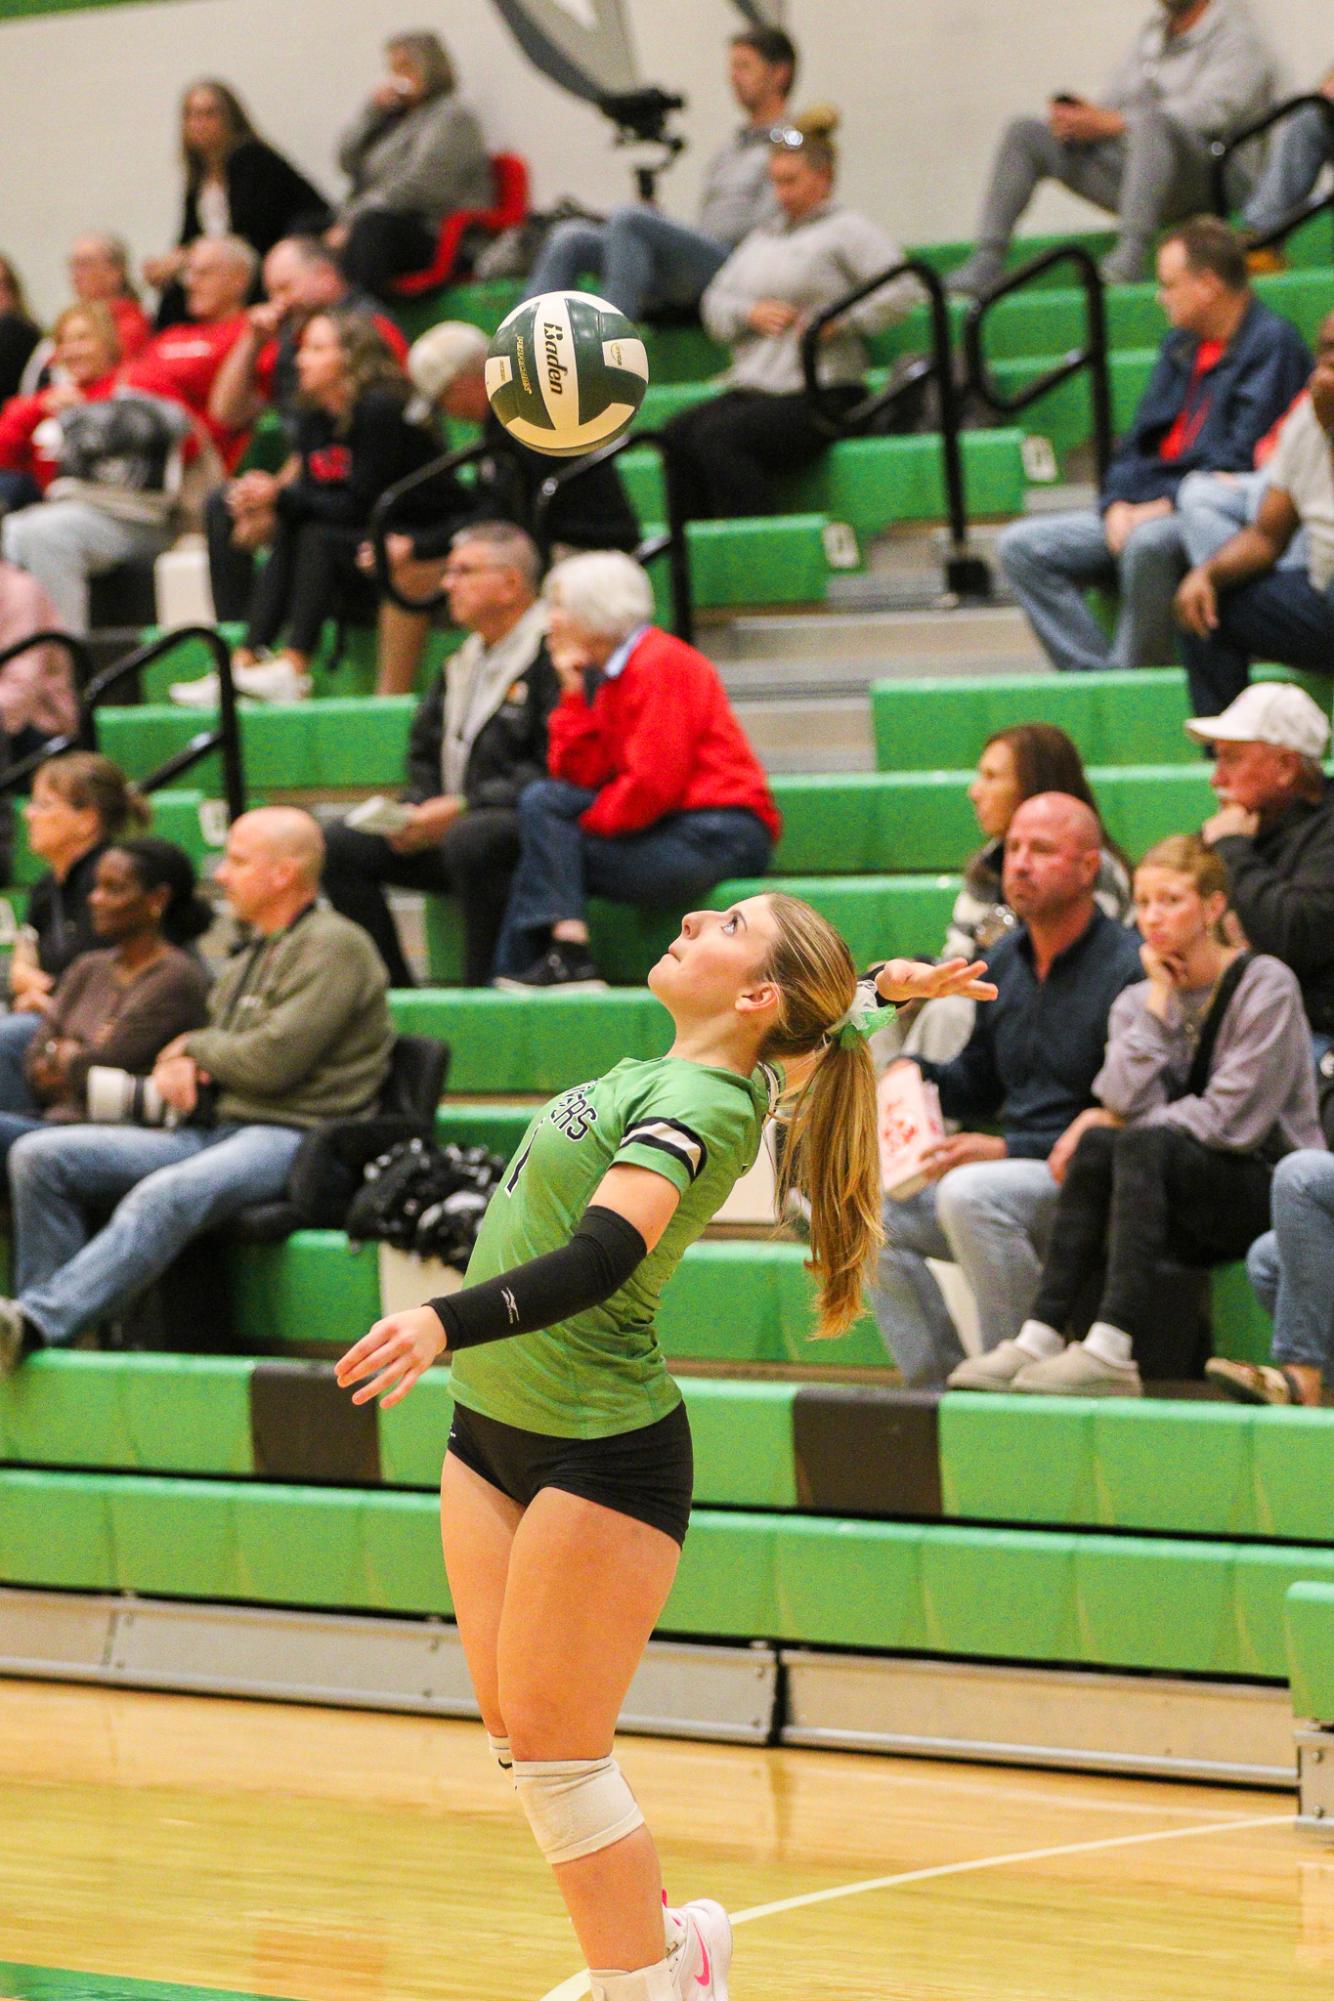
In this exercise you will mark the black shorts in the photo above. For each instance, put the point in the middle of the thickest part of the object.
(647, 1474)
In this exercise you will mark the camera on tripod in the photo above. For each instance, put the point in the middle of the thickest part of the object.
(640, 118)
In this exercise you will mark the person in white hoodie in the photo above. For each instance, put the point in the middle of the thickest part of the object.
(724, 455)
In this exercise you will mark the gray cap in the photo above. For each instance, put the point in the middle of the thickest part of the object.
(439, 355)
(1268, 712)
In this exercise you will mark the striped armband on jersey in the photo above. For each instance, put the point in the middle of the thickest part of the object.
(669, 1136)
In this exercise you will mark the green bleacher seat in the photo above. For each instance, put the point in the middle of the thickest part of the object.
(1309, 1619)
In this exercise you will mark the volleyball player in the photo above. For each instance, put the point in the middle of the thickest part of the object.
(567, 1480)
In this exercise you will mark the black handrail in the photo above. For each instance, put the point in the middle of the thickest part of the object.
(381, 523)
(1091, 356)
(14, 776)
(226, 738)
(966, 574)
(1222, 152)
(671, 543)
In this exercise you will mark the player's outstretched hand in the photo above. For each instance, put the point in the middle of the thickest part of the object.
(915, 979)
(395, 1354)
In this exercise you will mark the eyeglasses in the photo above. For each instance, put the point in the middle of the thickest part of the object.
(788, 137)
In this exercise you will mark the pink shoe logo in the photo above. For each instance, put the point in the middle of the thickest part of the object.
(704, 1979)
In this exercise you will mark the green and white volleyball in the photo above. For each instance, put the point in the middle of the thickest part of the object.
(565, 373)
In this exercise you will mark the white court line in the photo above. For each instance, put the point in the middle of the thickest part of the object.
(576, 1988)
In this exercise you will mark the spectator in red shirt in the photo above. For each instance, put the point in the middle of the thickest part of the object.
(655, 795)
(86, 353)
(183, 362)
(353, 440)
(302, 277)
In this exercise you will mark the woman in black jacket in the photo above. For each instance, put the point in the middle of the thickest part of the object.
(352, 440)
(236, 184)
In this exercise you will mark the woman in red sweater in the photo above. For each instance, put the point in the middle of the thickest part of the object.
(87, 350)
(655, 794)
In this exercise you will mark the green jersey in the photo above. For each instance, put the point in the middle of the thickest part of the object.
(602, 1372)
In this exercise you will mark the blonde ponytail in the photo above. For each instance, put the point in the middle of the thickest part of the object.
(831, 1152)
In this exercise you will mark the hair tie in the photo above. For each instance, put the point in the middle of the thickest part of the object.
(860, 1020)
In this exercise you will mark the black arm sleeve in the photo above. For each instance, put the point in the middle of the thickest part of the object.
(596, 1262)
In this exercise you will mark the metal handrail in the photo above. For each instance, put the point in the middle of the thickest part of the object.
(1222, 152)
(226, 738)
(670, 543)
(966, 574)
(1091, 356)
(381, 522)
(14, 776)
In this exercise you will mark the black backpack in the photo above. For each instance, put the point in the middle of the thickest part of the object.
(426, 1199)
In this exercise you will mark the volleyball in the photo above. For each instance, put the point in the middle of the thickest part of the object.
(565, 373)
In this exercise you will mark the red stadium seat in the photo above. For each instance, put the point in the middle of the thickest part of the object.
(511, 206)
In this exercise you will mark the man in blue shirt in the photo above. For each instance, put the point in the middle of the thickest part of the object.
(1029, 1066)
(1225, 374)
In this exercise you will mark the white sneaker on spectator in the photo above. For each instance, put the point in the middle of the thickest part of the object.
(995, 1370)
(274, 680)
(1078, 1372)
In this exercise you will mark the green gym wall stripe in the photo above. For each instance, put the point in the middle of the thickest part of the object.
(10, 9)
(59, 1983)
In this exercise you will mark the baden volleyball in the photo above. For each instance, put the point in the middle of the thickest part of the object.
(565, 373)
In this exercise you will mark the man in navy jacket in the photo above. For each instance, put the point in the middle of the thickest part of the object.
(1225, 374)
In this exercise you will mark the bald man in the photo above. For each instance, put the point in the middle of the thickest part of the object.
(1027, 1069)
(298, 1034)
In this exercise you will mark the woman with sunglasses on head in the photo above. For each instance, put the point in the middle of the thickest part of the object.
(723, 455)
(567, 1481)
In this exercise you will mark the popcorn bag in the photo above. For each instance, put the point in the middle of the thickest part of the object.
(910, 1127)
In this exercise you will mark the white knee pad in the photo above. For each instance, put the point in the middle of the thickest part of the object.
(577, 1806)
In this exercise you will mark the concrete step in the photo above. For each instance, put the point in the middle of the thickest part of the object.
(927, 637)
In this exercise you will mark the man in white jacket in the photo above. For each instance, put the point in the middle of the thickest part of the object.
(1198, 70)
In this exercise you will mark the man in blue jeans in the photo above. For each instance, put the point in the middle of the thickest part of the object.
(639, 256)
(1029, 1065)
(1226, 372)
(1292, 1270)
(298, 1033)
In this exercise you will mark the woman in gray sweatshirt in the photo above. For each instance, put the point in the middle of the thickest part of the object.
(414, 153)
(1208, 1081)
(724, 454)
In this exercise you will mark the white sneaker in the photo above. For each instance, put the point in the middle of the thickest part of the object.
(701, 1965)
(995, 1370)
(1078, 1372)
(267, 681)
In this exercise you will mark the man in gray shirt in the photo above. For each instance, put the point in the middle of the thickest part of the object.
(1198, 70)
(640, 257)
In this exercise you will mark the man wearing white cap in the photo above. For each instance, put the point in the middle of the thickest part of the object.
(1274, 831)
(447, 366)
(1241, 604)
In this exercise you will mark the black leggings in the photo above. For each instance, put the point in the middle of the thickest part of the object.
(311, 575)
(1134, 1198)
(383, 245)
(723, 456)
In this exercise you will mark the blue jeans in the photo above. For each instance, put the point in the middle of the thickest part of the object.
(1052, 559)
(1215, 506)
(993, 1220)
(640, 257)
(174, 1184)
(670, 865)
(1278, 616)
(1299, 150)
(1292, 1265)
(16, 1032)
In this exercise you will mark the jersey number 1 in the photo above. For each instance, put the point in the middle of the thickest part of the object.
(517, 1169)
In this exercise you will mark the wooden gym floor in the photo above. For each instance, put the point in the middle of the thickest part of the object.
(170, 1848)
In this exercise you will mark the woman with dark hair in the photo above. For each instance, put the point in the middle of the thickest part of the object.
(118, 1005)
(1016, 763)
(236, 184)
(352, 440)
(414, 154)
(19, 332)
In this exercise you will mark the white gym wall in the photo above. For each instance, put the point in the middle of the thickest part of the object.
(88, 98)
